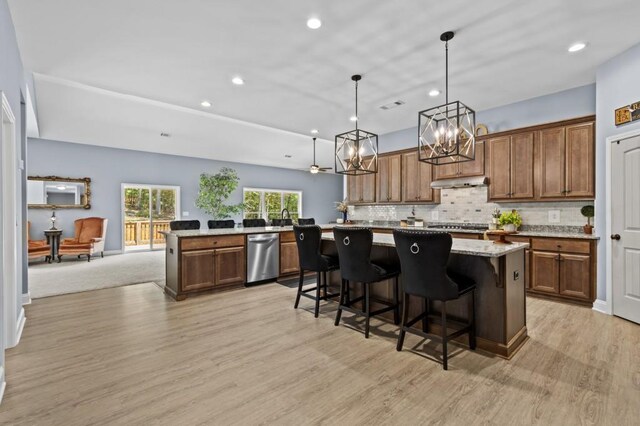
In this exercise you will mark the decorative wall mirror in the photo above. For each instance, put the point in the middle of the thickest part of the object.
(49, 192)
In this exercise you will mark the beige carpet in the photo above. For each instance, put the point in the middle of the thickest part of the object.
(74, 276)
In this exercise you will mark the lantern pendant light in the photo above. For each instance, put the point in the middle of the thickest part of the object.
(446, 134)
(356, 151)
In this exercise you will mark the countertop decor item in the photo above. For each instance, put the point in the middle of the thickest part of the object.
(215, 190)
(356, 151)
(447, 133)
(501, 233)
(343, 208)
(481, 130)
(588, 212)
(510, 221)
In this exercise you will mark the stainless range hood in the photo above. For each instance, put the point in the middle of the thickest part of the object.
(459, 183)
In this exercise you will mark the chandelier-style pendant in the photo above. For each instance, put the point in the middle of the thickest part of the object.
(446, 134)
(356, 151)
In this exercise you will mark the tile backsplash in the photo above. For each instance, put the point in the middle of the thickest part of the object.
(469, 205)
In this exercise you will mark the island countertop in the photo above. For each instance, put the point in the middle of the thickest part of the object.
(482, 248)
(234, 231)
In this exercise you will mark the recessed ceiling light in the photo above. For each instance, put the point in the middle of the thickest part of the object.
(353, 118)
(314, 131)
(238, 81)
(314, 23)
(205, 104)
(434, 92)
(577, 47)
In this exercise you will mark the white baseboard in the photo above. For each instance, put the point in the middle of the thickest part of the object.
(3, 383)
(26, 298)
(112, 252)
(601, 306)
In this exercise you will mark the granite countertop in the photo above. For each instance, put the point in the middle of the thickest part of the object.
(480, 248)
(234, 231)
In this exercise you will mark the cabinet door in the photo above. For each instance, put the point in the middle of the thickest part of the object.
(527, 268)
(575, 275)
(544, 272)
(498, 151)
(198, 270)
(521, 162)
(382, 180)
(551, 163)
(580, 161)
(230, 266)
(411, 183)
(395, 178)
(353, 193)
(425, 177)
(368, 185)
(447, 171)
(289, 261)
(475, 167)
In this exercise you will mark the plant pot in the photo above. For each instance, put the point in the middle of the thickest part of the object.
(339, 221)
(588, 229)
(509, 227)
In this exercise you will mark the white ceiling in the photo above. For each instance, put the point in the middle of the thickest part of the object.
(156, 60)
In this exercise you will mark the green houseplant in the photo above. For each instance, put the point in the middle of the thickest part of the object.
(215, 189)
(588, 212)
(510, 221)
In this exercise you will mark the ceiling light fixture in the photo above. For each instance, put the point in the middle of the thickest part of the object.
(353, 118)
(206, 104)
(356, 151)
(446, 134)
(314, 168)
(314, 131)
(434, 92)
(314, 23)
(576, 47)
(238, 81)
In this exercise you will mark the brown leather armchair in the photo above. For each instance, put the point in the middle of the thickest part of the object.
(37, 248)
(89, 238)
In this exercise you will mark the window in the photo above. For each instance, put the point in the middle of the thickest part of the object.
(268, 203)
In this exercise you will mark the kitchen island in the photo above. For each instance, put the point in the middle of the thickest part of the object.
(499, 271)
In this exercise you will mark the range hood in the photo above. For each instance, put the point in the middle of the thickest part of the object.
(459, 182)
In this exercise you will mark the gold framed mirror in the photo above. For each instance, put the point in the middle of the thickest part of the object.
(55, 192)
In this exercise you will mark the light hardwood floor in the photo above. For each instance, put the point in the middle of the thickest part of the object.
(129, 355)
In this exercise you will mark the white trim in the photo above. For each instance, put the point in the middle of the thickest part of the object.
(3, 384)
(22, 320)
(608, 308)
(112, 252)
(265, 214)
(600, 306)
(26, 298)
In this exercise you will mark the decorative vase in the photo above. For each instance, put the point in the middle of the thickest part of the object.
(344, 217)
(339, 221)
(588, 229)
(509, 227)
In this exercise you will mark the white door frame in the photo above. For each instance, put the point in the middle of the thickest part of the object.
(9, 225)
(608, 304)
(149, 187)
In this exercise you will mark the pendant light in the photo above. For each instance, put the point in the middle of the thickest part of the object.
(446, 134)
(356, 150)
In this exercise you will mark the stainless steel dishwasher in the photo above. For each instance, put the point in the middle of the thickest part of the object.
(263, 257)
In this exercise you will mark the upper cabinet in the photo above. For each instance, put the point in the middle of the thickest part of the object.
(361, 189)
(464, 169)
(552, 162)
(416, 180)
(389, 179)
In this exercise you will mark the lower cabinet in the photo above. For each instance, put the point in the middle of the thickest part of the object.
(198, 269)
(230, 266)
(289, 262)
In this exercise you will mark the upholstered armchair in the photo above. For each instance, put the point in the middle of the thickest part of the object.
(89, 238)
(37, 248)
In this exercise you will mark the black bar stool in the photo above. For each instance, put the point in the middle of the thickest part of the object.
(306, 221)
(281, 222)
(221, 224)
(254, 223)
(308, 239)
(354, 251)
(184, 225)
(423, 258)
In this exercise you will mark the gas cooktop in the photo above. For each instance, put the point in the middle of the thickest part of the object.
(463, 226)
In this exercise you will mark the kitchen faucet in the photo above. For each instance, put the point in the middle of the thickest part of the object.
(282, 214)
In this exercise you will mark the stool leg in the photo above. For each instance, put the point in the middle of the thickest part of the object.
(472, 313)
(396, 304)
(295, 305)
(367, 309)
(425, 320)
(405, 319)
(318, 286)
(342, 296)
(444, 335)
(325, 286)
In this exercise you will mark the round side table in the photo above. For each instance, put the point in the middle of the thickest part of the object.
(53, 239)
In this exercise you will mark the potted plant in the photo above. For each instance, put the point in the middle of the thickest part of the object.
(215, 189)
(588, 212)
(343, 208)
(510, 221)
(495, 217)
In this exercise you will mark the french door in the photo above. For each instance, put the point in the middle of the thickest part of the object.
(147, 211)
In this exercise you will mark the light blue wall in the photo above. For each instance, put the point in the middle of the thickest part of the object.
(108, 168)
(576, 102)
(618, 84)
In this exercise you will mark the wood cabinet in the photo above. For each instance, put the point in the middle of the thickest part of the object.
(289, 260)
(511, 167)
(230, 266)
(416, 180)
(361, 189)
(580, 166)
(198, 269)
(464, 169)
(389, 179)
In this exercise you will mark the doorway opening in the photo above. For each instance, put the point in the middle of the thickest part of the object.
(147, 210)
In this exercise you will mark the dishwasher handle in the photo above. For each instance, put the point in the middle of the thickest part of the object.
(265, 238)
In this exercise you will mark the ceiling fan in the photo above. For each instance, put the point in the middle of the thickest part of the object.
(314, 168)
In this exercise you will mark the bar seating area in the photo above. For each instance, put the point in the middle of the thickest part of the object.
(184, 225)
(221, 224)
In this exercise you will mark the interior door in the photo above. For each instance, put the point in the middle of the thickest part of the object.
(625, 228)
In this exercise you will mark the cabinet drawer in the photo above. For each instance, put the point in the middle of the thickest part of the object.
(511, 238)
(465, 236)
(287, 237)
(198, 243)
(570, 246)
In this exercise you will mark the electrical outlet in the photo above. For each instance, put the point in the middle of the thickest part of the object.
(185, 214)
(434, 215)
(554, 216)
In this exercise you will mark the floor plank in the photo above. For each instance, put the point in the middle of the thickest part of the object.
(130, 355)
